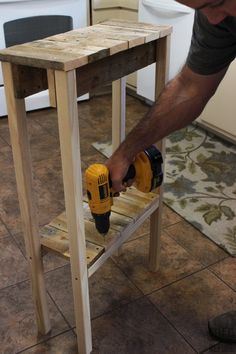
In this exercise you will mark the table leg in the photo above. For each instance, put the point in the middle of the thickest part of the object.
(118, 112)
(23, 170)
(162, 69)
(72, 178)
(118, 118)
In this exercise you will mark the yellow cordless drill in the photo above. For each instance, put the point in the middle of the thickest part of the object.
(146, 172)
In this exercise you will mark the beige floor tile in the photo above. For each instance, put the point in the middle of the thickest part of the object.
(136, 328)
(18, 329)
(9, 205)
(169, 217)
(109, 288)
(189, 303)
(175, 264)
(203, 249)
(47, 203)
(50, 260)
(44, 147)
(47, 119)
(3, 230)
(63, 344)
(4, 130)
(2, 142)
(226, 271)
(224, 348)
(13, 266)
(5, 157)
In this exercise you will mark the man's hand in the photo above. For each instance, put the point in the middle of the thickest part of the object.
(118, 166)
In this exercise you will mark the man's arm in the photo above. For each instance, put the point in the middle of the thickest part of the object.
(182, 101)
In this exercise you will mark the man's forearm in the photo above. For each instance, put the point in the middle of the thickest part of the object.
(181, 102)
(177, 106)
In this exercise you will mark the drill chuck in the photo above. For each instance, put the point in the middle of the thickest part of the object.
(102, 222)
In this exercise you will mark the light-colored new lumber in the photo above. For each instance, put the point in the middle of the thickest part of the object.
(162, 69)
(118, 112)
(23, 171)
(51, 87)
(71, 166)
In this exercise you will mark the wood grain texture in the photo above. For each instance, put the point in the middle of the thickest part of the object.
(96, 74)
(29, 215)
(162, 69)
(127, 209)
(72, 179)
(76, 48)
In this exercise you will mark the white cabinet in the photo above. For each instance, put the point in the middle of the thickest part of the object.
(220, 112)
(16, 9)
(180, 18)
(116, 9)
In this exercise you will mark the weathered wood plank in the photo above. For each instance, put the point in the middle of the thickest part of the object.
(138, 200)
(134, 37)
(127, 208)
(67, 47)
(57, 241)
(117, 224)
(79, 47)
(163, 30)
(114, 45)
(28, 80)
(92, 75)
(137, 34)
(112, 68)
(140, 196)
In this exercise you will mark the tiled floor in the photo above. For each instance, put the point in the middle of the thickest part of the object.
(133, 310)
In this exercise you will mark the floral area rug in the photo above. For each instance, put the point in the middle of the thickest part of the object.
(200, 182)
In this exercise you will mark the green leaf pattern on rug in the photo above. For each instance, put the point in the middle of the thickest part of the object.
(231, 239)
(200, 183)
(213, 212)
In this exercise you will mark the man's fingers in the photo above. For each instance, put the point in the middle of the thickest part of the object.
(116, 194)
(118, 187)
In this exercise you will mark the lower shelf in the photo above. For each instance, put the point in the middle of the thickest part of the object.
(129, 211)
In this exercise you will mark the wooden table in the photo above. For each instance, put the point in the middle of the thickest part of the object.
(71, 64)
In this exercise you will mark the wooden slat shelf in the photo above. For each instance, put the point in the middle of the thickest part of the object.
(128, 209)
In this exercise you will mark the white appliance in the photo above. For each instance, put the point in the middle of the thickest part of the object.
(219, 114)
(181, 18)
(15, 9)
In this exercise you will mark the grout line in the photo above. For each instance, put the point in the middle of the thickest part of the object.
(117, 307)
(214, 348)
(45, 340)
(28, 279)
(170, 225)
(172, 325)
(222, 280)
(59, 310)
(191, 253)
(177, 280)
(162, 287)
